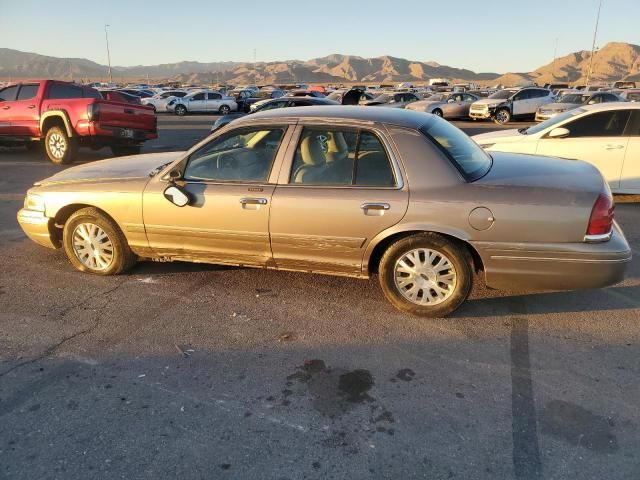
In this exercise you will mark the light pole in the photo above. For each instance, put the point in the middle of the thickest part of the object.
(593, 45)
(106, 37)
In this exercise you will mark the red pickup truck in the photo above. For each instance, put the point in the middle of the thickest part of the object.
(65, 116)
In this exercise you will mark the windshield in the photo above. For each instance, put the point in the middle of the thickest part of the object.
(571, 98)
(472, 161)
(553, 121)
(502, 94)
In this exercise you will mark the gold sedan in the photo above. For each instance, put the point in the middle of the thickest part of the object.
(344, 191)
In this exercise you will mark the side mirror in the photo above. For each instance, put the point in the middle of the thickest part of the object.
(558, 133)
(177, 196)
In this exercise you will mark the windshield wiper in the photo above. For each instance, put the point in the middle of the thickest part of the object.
(523, 130)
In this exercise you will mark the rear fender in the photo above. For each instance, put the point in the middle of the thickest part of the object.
(58, 115)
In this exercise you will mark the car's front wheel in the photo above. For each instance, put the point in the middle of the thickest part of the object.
(181, 110)
(224, 109)
(437, 112)
(503, 116)
(95, 244)
(426, 275)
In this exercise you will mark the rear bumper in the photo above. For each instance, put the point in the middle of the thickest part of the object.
(560, 266)
(38, 227)
(113, 134)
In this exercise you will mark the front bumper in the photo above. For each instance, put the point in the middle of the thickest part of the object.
(555, 266)
(480, 114)
(541, 117)
(38, 228)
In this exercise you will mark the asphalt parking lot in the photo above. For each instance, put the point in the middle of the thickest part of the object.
(206, 372)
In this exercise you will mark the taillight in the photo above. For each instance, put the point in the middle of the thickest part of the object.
(93, 112)
(601, 221)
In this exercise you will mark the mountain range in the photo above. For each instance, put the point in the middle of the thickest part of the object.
(614, 61)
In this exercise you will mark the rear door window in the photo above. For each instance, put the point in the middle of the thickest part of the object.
(341, 157)
(28, 91)
(601, 124)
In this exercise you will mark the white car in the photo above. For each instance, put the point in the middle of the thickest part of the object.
(607, 135)
(160, 100)
(510, 103)
(203, 101)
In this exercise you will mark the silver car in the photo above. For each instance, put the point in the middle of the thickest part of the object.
(574, 100)
(446, 105)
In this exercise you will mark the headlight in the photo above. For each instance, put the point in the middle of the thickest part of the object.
(34, 202)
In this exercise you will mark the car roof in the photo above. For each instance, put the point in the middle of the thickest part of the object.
(612, 106)
(394, 116)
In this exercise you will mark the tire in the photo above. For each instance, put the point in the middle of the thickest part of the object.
(180, 110)
(95, 224)
(427, 302)
(438, 113)
(123, 150)
(503, 116)
(224, 110)
(60, 148)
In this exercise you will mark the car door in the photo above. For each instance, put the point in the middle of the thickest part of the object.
(339, 187)
(25, 117)
(214, 100)
(540, 97)
(630, 178)
(230, 180)
(454, 105)
(521, 103)
(198, 103)
(596, 138)
(7, 101)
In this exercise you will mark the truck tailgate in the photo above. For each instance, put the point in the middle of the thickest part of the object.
(121, 115)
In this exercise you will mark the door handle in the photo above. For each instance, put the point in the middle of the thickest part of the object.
(31, 106)
(253, 201)
(6, 108)
(375, 206)
(128, 110)
(614, 147)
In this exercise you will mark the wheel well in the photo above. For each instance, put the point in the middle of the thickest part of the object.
(53, 121)
(65, 212)
(380, 248)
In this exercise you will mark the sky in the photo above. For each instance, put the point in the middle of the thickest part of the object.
(488, 36)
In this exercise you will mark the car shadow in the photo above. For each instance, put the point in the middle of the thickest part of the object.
(507, 304)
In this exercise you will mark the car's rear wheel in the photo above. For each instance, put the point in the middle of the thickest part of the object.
(60, 148)
(181, 110)
(437, 112)
(426, 275)
(224, 109)
(503, 116)
(95, 244)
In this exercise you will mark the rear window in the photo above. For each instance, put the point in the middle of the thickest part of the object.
(471, 160)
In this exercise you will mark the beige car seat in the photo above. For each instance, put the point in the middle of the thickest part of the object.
(313, 161)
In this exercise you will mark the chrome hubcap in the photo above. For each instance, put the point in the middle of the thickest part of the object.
(57, 145)
(425, 277)
(502, 117)
(92, 246)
